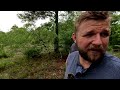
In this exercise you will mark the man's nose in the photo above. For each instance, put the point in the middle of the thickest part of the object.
(97, 40)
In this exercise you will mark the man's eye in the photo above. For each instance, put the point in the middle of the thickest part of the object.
(104, 34)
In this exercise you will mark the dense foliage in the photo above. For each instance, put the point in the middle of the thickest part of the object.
(24, 40)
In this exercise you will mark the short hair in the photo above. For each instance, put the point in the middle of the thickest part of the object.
(92, 15)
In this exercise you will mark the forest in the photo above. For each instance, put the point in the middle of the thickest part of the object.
(31, 52)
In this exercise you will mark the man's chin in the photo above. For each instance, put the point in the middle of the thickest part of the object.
(94, 55)
(91, 55)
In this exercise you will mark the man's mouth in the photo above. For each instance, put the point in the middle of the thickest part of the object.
(96, 50)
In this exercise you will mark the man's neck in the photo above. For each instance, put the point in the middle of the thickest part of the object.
(86, 64)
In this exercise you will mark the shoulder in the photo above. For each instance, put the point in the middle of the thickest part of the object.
(73, 44)
(71, 56)
(73, 53)
(71, 63)
(112, 65)
(113, 60)
(73, 47)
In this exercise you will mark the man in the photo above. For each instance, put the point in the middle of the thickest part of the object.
(92, 32)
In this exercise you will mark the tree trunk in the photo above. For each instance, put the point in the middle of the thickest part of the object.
(56, 46)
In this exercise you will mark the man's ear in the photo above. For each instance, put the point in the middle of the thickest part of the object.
(74, 37)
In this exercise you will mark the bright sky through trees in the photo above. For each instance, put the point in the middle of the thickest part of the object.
(9, 18)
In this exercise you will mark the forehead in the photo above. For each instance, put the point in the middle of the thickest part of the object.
(96, 25)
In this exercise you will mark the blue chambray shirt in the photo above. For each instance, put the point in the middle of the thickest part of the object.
(108, 68)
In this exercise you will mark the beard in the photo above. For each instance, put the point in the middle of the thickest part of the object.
(92, 54)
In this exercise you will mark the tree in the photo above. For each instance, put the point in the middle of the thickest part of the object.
(66, 28)
(56, 46)
(115, 30)
(32, 16)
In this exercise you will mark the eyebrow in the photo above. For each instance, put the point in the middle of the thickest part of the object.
(106, 30)
(90, 32)
(93, 31)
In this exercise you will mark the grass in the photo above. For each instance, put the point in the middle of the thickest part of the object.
(48, 66)
(20, 67)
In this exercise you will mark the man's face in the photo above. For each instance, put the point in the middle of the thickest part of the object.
(92, 39)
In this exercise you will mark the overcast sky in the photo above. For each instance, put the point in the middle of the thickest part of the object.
(9, 18)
